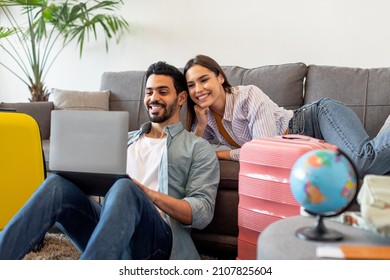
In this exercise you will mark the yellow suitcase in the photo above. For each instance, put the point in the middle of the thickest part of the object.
(22, 164)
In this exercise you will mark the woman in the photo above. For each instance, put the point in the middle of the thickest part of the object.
(232, 116)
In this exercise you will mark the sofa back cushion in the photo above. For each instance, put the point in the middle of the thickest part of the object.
(127, 93)
(282, 83)
(365, 91)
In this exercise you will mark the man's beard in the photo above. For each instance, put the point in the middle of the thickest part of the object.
(169, 111)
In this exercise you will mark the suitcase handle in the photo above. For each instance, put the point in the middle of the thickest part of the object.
(301, 137)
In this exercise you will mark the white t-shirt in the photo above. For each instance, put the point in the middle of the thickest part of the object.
(145, 155)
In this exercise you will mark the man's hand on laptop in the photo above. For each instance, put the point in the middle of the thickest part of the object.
(178, 209)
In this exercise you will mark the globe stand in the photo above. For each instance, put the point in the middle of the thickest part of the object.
(319, 232)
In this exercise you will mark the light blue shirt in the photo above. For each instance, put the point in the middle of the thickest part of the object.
(189, 170)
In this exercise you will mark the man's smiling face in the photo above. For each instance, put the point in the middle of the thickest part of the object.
(161, 98)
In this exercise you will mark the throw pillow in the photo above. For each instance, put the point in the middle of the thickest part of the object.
(80, 100)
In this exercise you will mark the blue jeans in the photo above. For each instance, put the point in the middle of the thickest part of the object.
(335, 123)
(127, 226)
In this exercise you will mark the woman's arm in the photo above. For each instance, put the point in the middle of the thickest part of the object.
(224, 154)
(202, 119)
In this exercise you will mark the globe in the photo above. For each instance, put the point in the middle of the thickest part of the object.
(324, 182)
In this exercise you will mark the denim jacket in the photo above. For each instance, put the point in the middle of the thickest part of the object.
(189, 170)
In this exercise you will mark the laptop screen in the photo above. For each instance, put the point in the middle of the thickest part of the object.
(88, 141)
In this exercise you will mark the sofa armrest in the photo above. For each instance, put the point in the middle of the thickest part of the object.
(40, 111)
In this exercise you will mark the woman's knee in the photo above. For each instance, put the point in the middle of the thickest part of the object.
(329, 102)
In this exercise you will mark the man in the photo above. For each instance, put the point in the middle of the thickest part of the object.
(175, 178)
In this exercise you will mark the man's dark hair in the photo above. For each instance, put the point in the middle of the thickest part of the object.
(163, 68)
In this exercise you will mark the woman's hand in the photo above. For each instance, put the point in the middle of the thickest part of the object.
(202, 118)
(201, 114)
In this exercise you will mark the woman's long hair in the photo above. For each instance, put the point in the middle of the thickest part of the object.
(214, 67)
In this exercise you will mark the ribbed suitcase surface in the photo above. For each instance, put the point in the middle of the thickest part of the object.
(22, 167)
(264, 185)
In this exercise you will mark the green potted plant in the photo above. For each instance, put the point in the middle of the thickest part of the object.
(33, 40)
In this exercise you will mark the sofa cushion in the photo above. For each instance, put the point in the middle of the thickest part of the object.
(127, 94)
(378, 99)
(40, 111)
(282, 83)
(80, 100)
(365, 91)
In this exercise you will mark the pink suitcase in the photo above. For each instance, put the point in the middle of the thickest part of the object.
(263, 187)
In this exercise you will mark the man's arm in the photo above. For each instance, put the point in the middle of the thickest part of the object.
(178, 209)
(202, 184)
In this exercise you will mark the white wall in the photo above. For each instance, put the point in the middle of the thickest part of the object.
(248, 33)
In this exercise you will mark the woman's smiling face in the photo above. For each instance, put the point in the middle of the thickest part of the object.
(204, 86)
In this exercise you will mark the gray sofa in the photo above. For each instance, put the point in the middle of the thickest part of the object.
(366, 91)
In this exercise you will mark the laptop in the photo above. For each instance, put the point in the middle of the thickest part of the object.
(89, 148)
